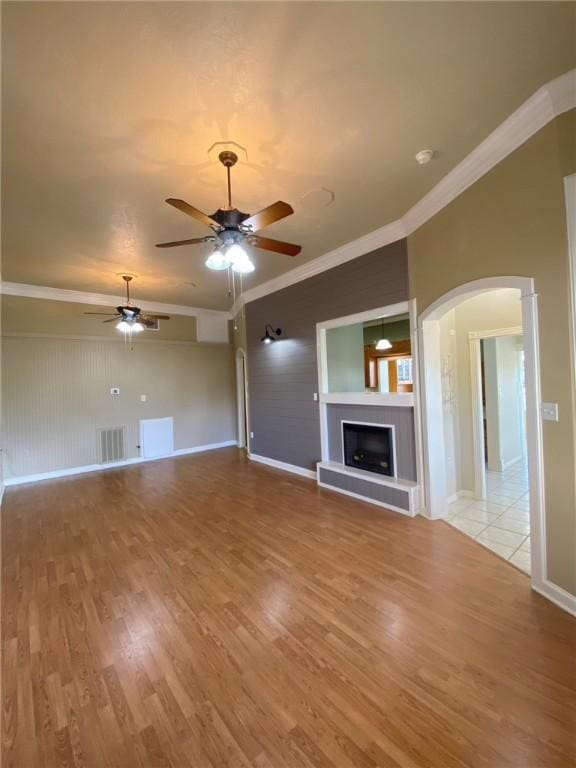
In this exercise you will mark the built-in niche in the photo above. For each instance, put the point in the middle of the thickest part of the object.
(373, 355)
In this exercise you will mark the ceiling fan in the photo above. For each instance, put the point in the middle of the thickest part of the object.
(130, 318)
(233, 228)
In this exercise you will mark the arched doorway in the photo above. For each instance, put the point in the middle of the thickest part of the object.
(436, 498)
(242, 398)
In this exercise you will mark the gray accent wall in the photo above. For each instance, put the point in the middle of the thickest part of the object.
(283, 376)
(402, 418)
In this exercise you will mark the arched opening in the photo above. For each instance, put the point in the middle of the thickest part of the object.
(433, 392)
(242, 398)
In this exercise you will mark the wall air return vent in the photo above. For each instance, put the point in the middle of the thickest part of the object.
(111, 444)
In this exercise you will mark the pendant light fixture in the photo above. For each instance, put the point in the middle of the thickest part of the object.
(383, 342)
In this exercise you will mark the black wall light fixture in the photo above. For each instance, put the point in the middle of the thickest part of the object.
(271, 334)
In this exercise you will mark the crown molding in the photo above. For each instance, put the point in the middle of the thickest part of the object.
(548, 102)
(390, 233)
(101, 299)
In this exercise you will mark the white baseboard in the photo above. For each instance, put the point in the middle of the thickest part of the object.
(23, 479)
(557, 595)
(511, 462)
(460, 495)
(283, 465)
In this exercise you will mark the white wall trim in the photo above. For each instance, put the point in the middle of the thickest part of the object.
(461, 495)
(102, 299)
(393, 399)
(242, 398)
(478, 440)
(87, 468)
(283, 466)
(570, 199)
(548, 102)
(557, 595)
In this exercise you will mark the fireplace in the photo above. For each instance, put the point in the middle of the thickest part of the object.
(369, 447)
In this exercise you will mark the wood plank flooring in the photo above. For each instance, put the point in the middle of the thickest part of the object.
(206, 612)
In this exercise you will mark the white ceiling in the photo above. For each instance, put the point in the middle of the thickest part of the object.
(108, 108)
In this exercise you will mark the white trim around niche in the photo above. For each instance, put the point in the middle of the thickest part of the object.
(322, 362)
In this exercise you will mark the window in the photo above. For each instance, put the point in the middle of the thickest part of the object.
(404, 370)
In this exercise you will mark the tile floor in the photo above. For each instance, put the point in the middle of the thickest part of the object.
(502, 522)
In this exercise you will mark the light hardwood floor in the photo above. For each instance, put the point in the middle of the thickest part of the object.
(206, 612)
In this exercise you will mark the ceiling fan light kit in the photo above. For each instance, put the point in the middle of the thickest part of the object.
(130, 318)
(233, 229)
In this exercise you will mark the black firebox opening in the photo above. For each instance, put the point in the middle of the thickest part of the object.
(369, 447)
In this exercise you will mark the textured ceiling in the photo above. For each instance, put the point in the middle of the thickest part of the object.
(108, 108)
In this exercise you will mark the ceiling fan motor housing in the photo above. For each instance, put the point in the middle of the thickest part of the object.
(228, 158)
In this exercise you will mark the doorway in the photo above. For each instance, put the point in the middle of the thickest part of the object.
(242, 399)
(437, 382)
(496, 513)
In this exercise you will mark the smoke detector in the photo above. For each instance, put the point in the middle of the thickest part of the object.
(424, 156)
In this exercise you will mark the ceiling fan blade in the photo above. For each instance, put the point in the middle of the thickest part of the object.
(154, 317)
(268, 216)
(185, 207)
(192, 241)
(267, 244)
(100, 313)
(113, 319)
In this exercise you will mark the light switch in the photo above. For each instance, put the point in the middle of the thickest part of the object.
(114, 390)
(315, 396)
(251, 434)
(142, 398)
(549, 411)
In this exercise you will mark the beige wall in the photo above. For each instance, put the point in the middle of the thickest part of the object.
(57, 393)
(513, 222)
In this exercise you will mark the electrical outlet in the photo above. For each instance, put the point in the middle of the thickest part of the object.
(549, 411)
(114, 390)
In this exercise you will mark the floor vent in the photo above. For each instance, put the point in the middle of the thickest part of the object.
(111, 444)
